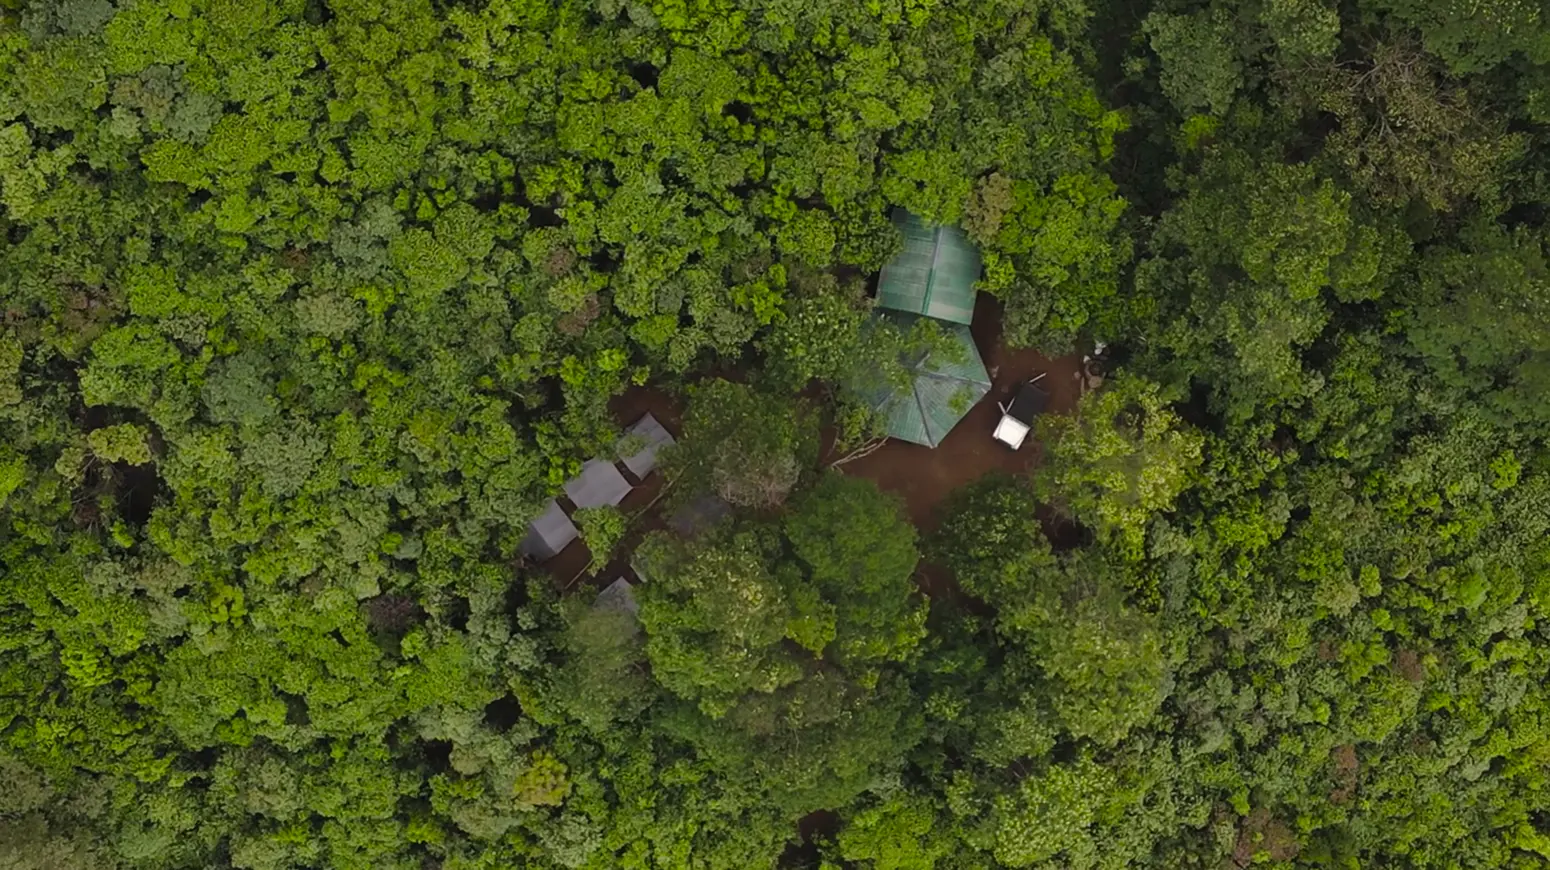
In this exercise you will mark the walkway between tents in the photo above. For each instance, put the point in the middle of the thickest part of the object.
(923, 477)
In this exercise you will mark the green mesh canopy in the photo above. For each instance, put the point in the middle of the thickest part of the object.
(933, 274)
(944, 387)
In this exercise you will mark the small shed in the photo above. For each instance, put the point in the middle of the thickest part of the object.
(1017, 416)
(933, 274)
(599, 483)
(647, 437)
(943, 388)
(549, 534)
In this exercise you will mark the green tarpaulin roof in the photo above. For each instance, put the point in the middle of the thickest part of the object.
(933, 275)
(942, 392)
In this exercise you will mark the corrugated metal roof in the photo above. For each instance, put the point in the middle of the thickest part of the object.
(933, 274)
(940, 394)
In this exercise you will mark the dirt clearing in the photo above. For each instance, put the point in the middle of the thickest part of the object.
(923, 476)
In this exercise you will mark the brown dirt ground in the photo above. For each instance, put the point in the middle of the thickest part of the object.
(570, 567)
(921, 476)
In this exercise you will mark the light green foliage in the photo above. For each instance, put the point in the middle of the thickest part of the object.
(1200, 66)
(897, 834)
(308, 308)
(1050, 814)
(745, 445)
(1302, 28)
(1121, 460)
(1455, 149)
(544, 782)
(1263, 250)
(125, 442)
(602, 529)
(1100, 661)
(818, 336)
(809, 237)
(716, 611)
(1475, 38)
(859, 551)
(991, 539)
(13, 472)
(602, 679)
(1479, 319)
(715, 616)
(1104, 658)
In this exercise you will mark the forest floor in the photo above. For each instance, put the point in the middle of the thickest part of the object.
(922, 477)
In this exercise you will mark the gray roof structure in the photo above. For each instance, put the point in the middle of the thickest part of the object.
(549, 534)
(618, 595)
(599, 483)
(655, 436)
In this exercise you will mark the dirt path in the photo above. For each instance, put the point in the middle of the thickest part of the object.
(569, 568)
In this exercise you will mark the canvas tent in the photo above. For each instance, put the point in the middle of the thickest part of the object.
(933, 274)
(549, 534)
(654, 436)
(599, 483)
(942, 389)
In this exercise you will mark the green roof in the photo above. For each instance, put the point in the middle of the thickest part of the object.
(941, 393)
(933, 274)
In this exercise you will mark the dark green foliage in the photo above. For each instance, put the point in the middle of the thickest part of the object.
(745, 445)
(307, 308)
(859, 552)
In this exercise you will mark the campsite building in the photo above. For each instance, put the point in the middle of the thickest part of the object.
(933, 276)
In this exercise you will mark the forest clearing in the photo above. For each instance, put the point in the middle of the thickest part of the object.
(922, 477)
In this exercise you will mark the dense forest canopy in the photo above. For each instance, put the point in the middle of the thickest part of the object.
(308, 307)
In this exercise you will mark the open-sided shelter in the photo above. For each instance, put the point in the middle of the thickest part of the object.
(943, 386)
(933, 274)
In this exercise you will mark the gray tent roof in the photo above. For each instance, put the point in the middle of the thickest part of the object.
(618, 595)
(599, 483)
(550, 533)
(655, 436)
